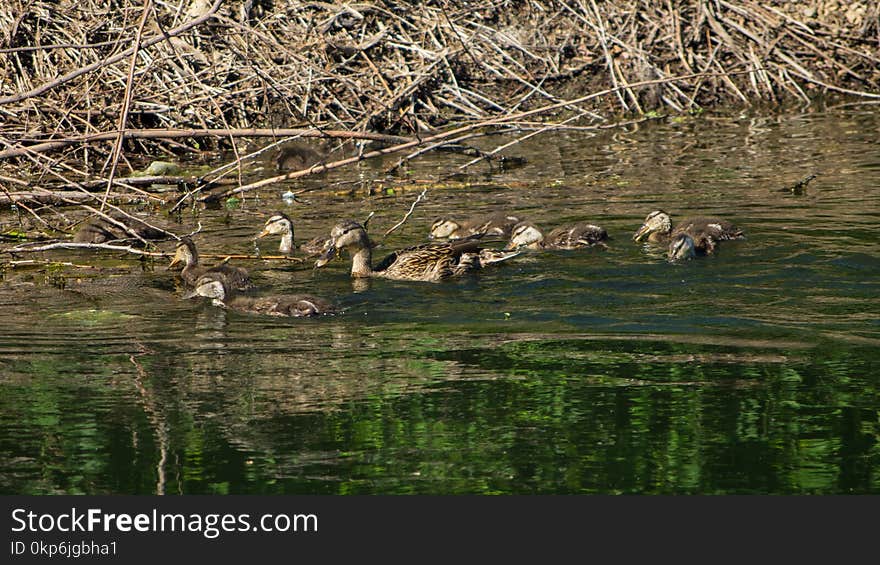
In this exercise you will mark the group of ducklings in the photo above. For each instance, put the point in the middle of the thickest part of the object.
(463, 250)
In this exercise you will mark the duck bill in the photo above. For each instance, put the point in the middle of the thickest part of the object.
(641, 233)
(262, 234)
(326, 256)
(175, 261)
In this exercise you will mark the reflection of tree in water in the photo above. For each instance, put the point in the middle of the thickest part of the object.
(527, 417)
(330, 406)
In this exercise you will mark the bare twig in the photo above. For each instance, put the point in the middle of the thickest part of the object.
(111, 60)
(408, 214)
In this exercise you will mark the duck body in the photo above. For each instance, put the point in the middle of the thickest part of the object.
(186, 253)
(216, 287)
(427, 262)
(573, 236)
(498, 224)
(315, 246)
(298, 156)
(704, 233)
(576, 236)
(102, 230)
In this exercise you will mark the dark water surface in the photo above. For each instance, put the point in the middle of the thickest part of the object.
(599, 371)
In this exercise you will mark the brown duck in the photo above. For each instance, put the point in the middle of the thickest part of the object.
(187, 254)
(427, 262)
(702, 234)
(575, 236)
(216, 287)
(280, 224)
(498, 223)
(102, 230)
(298, 156)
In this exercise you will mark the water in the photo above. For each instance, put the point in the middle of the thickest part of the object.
(598, 371)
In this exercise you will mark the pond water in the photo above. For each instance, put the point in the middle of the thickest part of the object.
(600, 371)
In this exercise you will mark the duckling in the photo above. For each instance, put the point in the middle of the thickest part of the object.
(497, 223)
(297, 156)
(575, 236)
(705, 233)
(315, 246)
(186, 253)
(658, 229)
(681, 247)
(280, 223)
(428, 262)
(102, 230)
(216, 287)
(685, 245)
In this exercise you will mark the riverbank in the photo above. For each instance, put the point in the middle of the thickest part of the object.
(396, 67)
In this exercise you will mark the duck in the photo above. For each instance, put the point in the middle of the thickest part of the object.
(216, 287)
(704, 233)
(102, 230)
(280, 224)
(297, 157)
(186, 253)
(658, 228)
(427, 262)
(682, 247)
(574, 236)
(497, 223)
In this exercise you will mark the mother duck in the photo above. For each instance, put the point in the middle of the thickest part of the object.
(427, 262)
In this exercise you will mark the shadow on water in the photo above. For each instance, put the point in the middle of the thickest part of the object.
(602, 371)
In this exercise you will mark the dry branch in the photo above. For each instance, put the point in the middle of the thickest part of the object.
(431, 72)
(407, 215)
(44, 146)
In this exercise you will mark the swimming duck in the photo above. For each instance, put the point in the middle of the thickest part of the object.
(280, 224)
(427, 262)
(497, 223)
(216, 287)
(658, 228)
(186, 253)
(575, 236)
(102, 230)
(298, 156)
(681, 246)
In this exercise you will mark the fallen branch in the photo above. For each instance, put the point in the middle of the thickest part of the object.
(58, 198)
(75, 245)
(44, 146)
(31, 248)
(498, 120)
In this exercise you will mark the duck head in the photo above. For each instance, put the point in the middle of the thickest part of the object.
(525, 234)
(279, 224)
(656, 222)
(681, 247)
(184, 253)
(344, 235)
(443, 227)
